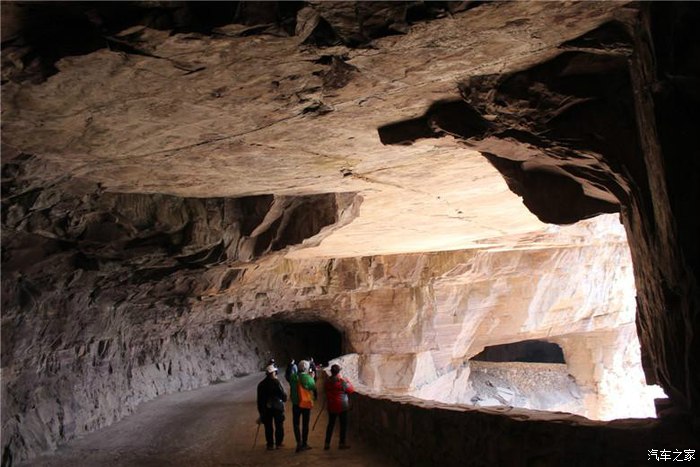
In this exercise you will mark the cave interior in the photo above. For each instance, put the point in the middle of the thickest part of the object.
(421, 191)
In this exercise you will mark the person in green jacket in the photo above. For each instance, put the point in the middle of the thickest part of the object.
(302, 389)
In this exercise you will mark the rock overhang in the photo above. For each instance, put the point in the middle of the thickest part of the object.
(307, 124)
(262, 115)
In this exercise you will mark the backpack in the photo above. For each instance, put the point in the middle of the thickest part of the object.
(275, 403)
(306, 396)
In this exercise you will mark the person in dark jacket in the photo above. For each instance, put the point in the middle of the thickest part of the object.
(291, 370)
(337, 390)
(271, 399)
(312, 368)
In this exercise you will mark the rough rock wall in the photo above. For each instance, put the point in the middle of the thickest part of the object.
(567, 165)
(37, 35)
(82, 375)
(537, 386)
(663, 233)
(420, 433)
(97, 293)
(179, 275)
(415, 319)
(605, 122)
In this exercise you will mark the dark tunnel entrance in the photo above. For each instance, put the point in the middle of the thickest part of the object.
(532, 351)
(284, 339)
(319, 340)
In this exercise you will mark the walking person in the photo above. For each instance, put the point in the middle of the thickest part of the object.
(338, 403)
(291, 369)
(271, 399)
(302, 389)
(312, 368)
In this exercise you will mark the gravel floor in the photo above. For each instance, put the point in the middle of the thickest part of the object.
(211, 426)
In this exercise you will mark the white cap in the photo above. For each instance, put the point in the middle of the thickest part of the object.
(270, 369)
(303, 366)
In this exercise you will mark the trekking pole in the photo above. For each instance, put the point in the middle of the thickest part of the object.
(319, 415)
(255, 440)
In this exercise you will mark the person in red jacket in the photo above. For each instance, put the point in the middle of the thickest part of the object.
(337, 390)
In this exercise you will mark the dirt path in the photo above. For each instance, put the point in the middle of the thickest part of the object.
(211, 426)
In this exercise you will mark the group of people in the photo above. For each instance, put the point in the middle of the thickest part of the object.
(302, 392)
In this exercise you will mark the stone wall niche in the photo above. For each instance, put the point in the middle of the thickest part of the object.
(535, 351)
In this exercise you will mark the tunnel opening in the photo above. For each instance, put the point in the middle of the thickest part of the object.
(531, 351)
(530, 374)
(286, 338)
(593, 374)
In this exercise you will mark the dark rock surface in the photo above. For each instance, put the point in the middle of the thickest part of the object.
(419, 433)
(97, 291)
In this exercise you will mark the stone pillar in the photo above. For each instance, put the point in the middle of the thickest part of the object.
(607, 367)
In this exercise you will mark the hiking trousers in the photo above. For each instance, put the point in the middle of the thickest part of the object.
(303, 414)
(343, 416)
(276, 436)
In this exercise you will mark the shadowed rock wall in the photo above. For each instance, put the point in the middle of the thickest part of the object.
(418, 433)
(97, 295)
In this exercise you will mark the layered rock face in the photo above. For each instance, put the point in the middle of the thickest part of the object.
(98, 290)
(172, 200)
(413, 319)
(417, 319)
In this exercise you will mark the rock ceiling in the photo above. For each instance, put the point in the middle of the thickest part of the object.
(168, 194)
(226, 116)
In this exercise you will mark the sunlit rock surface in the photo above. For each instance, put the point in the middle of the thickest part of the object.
(415, 333)
(161, 194)
(243, 119)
